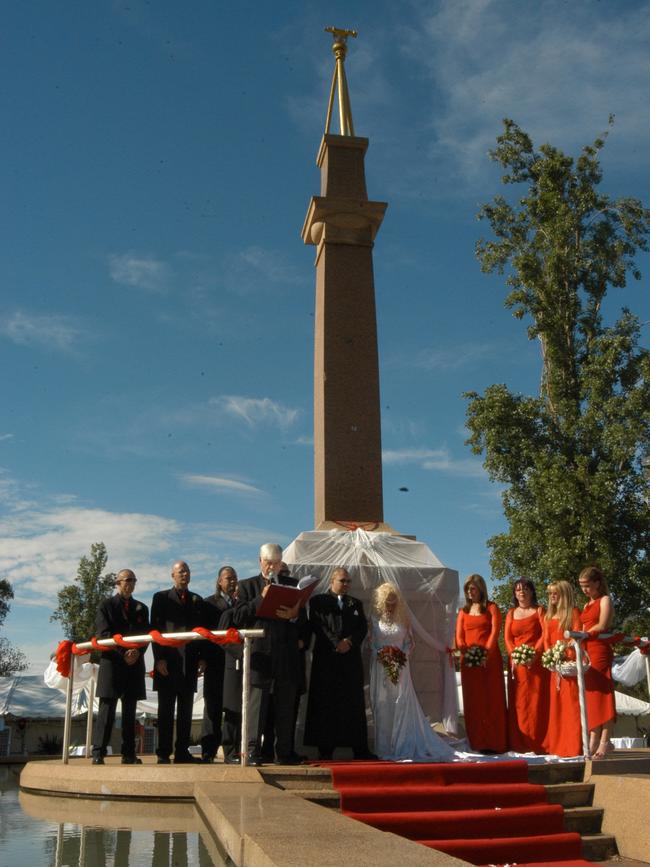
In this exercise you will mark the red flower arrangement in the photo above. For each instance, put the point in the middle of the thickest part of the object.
(393, 660)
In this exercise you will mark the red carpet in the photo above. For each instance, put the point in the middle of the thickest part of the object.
(483, 812)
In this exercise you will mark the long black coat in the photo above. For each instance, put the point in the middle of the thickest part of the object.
(277, 655)
(232, 680)
(336, 707)
(116, 678)
(169, 614)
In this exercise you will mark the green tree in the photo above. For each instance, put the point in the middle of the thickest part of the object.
(570, 456)
(78, 602)
(11, 659)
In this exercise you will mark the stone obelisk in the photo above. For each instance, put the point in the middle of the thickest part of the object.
(342, 224)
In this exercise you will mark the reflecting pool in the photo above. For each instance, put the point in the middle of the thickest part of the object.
(43, 831)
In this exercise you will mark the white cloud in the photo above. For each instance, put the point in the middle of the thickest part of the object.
(220, 484)
(142, 271)
(255, 411)
(558, 69)
(435, 459)
(4, 437)
(254, 269)
(447, 357)
(47, 331)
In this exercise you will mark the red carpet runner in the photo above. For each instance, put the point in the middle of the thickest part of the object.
(482, 812)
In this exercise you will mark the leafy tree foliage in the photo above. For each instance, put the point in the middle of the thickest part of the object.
(11, 659)
(570, 456)
(78, 602)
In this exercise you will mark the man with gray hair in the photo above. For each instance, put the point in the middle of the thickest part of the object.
(276, 670)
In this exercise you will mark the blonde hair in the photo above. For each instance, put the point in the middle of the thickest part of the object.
(478, 581)
(381, 594)
(563, 609)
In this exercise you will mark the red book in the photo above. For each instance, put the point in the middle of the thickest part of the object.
(282, 594)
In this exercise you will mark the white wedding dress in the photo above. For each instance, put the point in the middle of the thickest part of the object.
(402, 732)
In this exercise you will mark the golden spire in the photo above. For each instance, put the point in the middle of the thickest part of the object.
(340, 49)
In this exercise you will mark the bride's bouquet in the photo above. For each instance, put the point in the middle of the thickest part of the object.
(393, 660)
(523, 654)
(475, 656)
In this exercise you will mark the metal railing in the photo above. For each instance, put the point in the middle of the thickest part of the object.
(247, 634)
(578, 638)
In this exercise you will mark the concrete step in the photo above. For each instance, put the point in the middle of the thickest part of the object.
(323, 797)
(562, 772)
(598, 847)
(570, 794)
(301, 777)
(583, 820)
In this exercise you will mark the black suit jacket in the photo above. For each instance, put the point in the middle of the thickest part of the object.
(169, 614)
(277, 655)
(116, 678)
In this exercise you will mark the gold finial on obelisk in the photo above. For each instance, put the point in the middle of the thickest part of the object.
(340, 48)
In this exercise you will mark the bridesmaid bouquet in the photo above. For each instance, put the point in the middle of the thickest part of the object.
(522, 654)
(555, 656)
(393, 660)
(475, 656)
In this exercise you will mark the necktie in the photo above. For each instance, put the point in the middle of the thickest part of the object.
(183, 595)
(340, 602)
(125, 607)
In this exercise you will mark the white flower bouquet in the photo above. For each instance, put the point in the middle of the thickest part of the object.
(475, 656)
(522, 654)
(561, 658)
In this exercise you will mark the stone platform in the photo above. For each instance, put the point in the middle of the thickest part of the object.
(276, 815)
(255, 822)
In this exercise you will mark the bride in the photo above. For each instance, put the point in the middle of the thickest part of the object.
(402, 732)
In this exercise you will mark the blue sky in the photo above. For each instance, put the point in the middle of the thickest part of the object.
(156, 307)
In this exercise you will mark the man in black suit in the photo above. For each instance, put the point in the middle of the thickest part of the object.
(336, 713)
(275, 659)
(176, 669)
(232, 689)
(121, 670)
(213, 607)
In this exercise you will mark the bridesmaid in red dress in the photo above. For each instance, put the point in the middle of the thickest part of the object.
(528, 689)
(596, 617)
(563, 737)
(484, 699)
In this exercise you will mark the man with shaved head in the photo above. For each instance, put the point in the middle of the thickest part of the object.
(176, 669)
(121, 670)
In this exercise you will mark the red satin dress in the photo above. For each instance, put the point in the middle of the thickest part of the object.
(484, 695)
(599, 686)
(563, 736)
(528, 688)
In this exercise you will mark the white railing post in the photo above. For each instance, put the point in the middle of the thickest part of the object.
(245, 687)
(67, 722)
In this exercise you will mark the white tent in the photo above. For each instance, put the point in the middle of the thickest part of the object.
(429, 588)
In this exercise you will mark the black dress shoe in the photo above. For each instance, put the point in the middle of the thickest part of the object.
(164, 760)
(232, 760)
(254, 760)
(365, 756)
(186, 759)
(131, 760)
(325, 757)
(98, 760)
(293, 759)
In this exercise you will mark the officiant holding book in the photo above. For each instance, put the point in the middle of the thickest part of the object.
(276, 669)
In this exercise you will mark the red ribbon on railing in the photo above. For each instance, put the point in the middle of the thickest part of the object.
(168, 642)
(232, 636)
(66, 648)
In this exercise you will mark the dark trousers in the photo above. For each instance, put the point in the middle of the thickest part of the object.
(104, 725)
(211, 734)
(182, 701)
(231, 739)
(284, 718)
